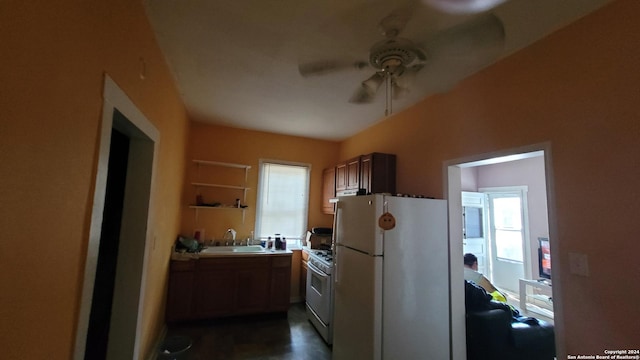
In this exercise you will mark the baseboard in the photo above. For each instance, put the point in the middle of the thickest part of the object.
(153, 354)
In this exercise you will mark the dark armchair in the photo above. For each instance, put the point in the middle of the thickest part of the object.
(493, 332)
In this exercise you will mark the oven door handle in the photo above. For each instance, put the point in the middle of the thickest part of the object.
(317, 271)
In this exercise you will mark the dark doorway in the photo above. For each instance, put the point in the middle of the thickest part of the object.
(99, 320)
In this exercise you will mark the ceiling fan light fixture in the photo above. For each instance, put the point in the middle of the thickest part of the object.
(373, 83)
(367, 90)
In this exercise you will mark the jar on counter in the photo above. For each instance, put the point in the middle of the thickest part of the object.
(278, 244)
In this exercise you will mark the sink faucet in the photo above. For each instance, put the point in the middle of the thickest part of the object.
(230, 234)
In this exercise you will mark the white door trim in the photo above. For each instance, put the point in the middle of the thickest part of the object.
(452, 188)
(144, 140)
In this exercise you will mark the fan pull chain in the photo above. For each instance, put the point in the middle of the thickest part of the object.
(390, 86)
(388, 96)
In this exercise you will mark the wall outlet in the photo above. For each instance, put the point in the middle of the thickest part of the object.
(578, 264)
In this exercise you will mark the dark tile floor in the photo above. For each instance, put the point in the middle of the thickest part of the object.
(269, 337)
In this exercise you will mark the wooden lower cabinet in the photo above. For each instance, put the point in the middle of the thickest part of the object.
(179, 305)
(303, 274)
(226, 286)
(211, 293)
(252, 290)
(280, 284)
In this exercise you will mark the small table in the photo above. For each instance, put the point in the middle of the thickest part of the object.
(523, 293)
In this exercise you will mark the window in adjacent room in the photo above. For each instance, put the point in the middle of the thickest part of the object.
(283, 201)
(506, 214)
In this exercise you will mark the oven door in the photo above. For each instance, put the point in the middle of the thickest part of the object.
(319, 292)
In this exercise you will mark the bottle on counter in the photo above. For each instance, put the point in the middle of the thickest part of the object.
(283, 244)
(278, 242)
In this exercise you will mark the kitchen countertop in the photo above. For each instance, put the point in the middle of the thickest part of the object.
(185, 256)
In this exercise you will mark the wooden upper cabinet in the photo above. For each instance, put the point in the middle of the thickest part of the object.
(365, 172)
(341, 176)
(372, 174)
(328, 189)
(378, 173)
(353, 174)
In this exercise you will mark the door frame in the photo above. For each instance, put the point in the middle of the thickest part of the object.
(126, 326)
(452, 191)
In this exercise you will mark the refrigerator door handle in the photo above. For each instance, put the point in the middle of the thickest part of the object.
(335, 223)
(334, 244)
(336, 277)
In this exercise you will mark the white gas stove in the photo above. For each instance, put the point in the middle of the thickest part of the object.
(320, 292)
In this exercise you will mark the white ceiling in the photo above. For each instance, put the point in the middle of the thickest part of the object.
(235, 62)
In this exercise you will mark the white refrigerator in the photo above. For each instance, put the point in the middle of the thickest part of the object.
(391, 286)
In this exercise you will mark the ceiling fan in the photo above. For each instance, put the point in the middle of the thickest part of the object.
(396, 60)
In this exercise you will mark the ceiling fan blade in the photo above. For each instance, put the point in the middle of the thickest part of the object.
(367, 90)
(392, 24)
(459, 52)
(482, 35)
(463, 6)
(328, 66)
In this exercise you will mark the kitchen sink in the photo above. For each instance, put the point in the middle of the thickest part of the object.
(232, 249)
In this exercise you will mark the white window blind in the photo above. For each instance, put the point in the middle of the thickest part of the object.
(283, 200)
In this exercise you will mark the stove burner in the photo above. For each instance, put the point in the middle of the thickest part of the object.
(323, 254)
(323, 259)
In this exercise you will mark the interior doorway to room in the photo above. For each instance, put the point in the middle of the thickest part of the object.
(109, 322)
(103, 289)
(473, 227)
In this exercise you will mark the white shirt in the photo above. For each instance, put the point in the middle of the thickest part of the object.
(472, 275)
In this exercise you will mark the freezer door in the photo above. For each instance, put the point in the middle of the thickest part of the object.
(416, 278)
(357, 223)
(357, 315)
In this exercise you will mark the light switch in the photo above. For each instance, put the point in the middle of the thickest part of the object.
(578, 264)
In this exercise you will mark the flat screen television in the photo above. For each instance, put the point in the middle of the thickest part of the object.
(544, 258)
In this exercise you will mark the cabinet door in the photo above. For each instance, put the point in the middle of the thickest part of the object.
(214, 293)
(378, 173)
(365, 173)
(252, 290)
(179, 295)
(280, 283)
(341, 177)
(303, 275)
(328, 189)
(353, 174)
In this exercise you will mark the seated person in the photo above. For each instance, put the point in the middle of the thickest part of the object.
(471, 274)
(477, 299)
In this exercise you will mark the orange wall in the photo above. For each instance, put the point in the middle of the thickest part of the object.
(54, 57)
(577, 89)
(218, 143)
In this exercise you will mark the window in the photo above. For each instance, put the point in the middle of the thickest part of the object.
(283, 201)
(506, 214)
